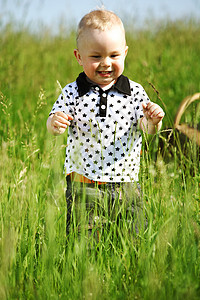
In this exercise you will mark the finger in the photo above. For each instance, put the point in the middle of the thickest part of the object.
(60, 122)
(161, 114)
(148, 108)
(144, 106)
(158, 112)
(154, 109)
(70, 117)
(62, 118)
(149, 104)
(64, 115)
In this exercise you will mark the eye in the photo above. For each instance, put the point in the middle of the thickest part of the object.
(95, 56)
(115, 55)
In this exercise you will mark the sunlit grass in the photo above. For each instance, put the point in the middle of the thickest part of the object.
(36, 259)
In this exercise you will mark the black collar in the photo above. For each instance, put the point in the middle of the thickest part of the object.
(122, 84)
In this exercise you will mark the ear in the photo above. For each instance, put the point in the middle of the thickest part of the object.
(126, 50)
(78, 56)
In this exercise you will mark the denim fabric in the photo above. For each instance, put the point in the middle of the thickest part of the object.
(106, 203)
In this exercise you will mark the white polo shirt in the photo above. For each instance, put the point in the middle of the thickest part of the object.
(104, 141)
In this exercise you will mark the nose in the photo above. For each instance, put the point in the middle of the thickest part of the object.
(105, 62)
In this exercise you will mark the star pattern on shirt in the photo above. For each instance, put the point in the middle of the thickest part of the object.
(103, 140)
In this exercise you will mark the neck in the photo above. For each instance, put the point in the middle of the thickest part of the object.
(108, 86)
(103, 87)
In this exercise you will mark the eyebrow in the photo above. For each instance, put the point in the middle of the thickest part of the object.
(94, 52)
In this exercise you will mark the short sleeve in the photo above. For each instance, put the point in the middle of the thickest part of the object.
(140, 97)
(64, 102)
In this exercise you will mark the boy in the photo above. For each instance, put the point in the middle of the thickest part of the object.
(104, 111)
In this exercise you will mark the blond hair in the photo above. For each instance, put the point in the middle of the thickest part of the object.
(98, 19)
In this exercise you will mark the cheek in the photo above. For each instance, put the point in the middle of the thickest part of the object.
(90, 66)
(119, 65)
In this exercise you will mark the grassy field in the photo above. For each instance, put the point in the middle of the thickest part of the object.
(163, 262)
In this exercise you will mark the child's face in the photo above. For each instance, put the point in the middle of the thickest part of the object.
(102, 54)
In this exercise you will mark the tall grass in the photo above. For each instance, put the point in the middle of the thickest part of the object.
(162, 262)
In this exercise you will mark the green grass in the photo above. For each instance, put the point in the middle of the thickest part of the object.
(161, 263)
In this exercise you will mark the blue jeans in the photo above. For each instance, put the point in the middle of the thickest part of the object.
(110, 202)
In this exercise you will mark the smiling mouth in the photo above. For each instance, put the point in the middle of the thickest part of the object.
(105, 73)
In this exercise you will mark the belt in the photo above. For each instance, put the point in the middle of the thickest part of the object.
(80, 178)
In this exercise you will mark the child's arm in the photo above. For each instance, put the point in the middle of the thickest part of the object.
(58, 122)
(152, 120)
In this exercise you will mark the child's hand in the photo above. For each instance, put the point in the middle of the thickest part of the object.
(58, 122)
(153, 113)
